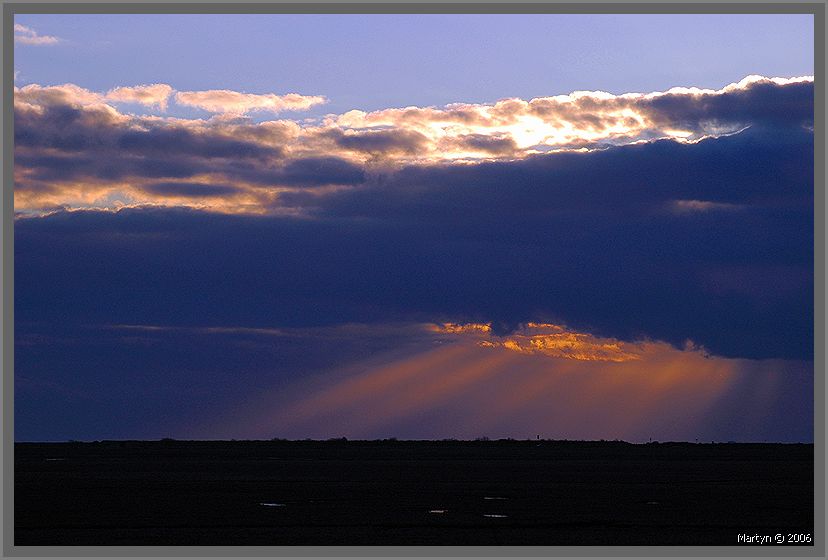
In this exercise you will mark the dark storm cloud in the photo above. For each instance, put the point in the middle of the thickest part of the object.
(298, 173)
(66, 144)
(382, 141)
(64, 127)
(53, 167)
(71, 129)
(759, 166)
(626, 242)
(181, 141)
(486, 143)
(320, 171)
(118, 166)
(762, 102)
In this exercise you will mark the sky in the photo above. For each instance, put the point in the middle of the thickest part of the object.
(573, 227)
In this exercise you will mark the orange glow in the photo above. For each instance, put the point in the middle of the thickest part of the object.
(549, 340)
(471, 389)
(389, 379)
(575, 346)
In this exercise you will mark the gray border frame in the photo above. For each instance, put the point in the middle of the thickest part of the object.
(10, 8)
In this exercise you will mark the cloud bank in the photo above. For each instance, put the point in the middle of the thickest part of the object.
(709, 240)
(74, 148)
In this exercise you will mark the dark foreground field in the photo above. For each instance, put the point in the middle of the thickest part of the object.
(408, 493)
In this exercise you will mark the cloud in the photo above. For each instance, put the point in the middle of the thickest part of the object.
(67, 136)
(273, 160)
(706, 238)
(548, 340)
(34, 97)
(686, 206)
(311, 172)
(189, 190)
(70, 122)
(589, 118)
(381, 142)
(27, 36)
(587, 239)
(492, 144)
(149, 95)
(234, 102)
(158, 95)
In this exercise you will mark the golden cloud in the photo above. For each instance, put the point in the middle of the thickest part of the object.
(547, 339)
(149, 95)
(238, 103)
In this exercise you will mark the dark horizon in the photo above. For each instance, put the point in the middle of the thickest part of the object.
(399, 493)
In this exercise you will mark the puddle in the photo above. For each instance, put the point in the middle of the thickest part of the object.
(437, 511)
(494, 515)
(494, 498)
(271, 504)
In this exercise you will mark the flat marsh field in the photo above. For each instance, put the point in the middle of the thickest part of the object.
(390, 492)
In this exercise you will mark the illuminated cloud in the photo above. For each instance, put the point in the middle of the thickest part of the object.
(548, 340)
(461, 328)
(149, 95)
(27, 36)
(554, 341)
(34, 97)
(67, 135)
(234, 102)
(583, 118)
